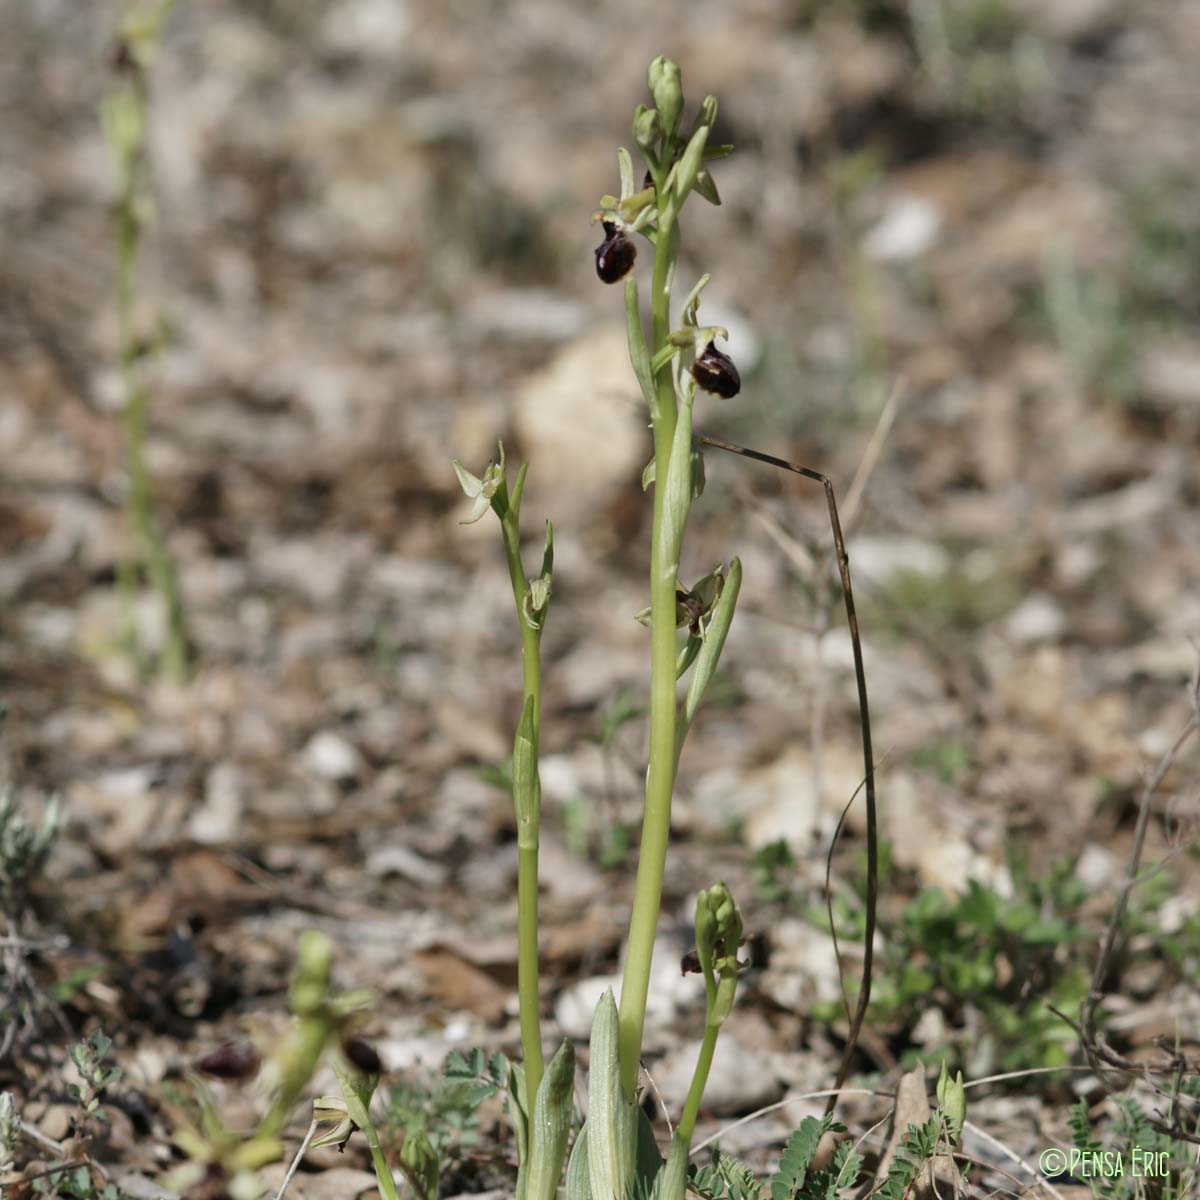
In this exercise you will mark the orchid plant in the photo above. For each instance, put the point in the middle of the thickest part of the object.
(615, 1155)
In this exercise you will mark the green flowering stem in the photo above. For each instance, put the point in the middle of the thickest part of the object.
(660, 782)
(526, 786)
(691, 1108)
(124, 116)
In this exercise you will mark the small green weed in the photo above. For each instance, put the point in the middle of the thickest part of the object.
(445, 1110)
(1138, 1159)
(1006, 960)
(796, 1177)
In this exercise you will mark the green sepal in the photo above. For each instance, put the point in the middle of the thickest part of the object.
(635, 206)
(551, 1126)
(527, 788)
(625, 166)
(488, 491)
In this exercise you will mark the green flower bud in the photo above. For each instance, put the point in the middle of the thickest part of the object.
(663, 78)
(420, 1162)
(647, 127)
(718, 935)
(310, 980)
(952, 1097)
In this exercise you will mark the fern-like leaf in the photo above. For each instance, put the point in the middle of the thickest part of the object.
(918, 1147)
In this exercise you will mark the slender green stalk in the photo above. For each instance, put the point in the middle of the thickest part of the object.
(527, 849)
(691, 1108)
(527, 963)
(125, 114)
(383, 1173)
(660, 780)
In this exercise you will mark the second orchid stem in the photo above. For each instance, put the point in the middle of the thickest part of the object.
(526, 797)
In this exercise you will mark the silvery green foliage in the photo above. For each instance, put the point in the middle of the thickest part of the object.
(612, 1119)
(23, 849)
(88, 1057)
(615, 1154)
(550, 1127)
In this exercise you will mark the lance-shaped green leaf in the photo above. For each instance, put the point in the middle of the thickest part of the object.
(671, 1182)
(518, 1110)
(638, 354)
(579, 1179)
(710, 652)
(527, 788)
(612, 1119)
(551, 1125)
(649, 1159)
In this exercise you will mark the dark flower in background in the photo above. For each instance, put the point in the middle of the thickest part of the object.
(362, 1055)
(235, 1061)
(614, 255)
(715, 373)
